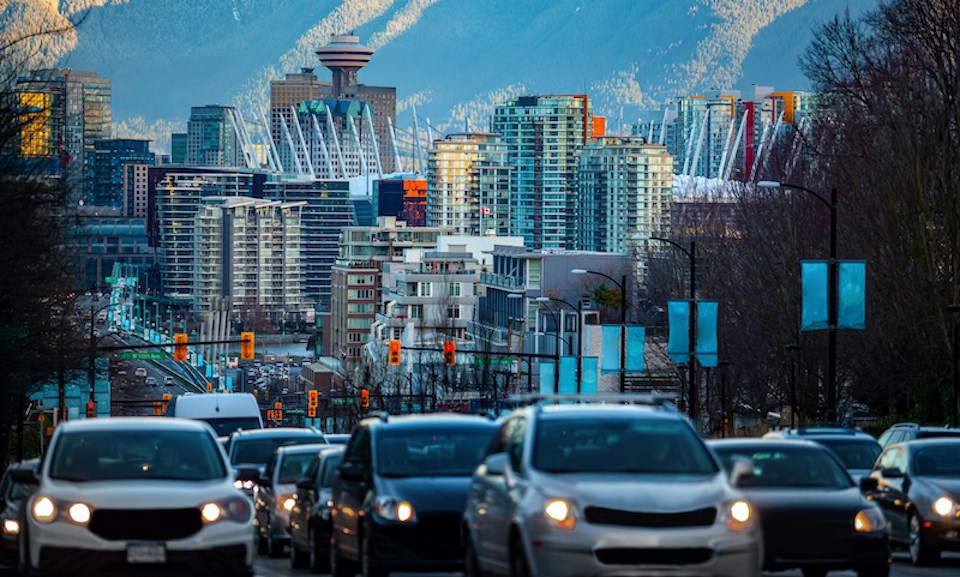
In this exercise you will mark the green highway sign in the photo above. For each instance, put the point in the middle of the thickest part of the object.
(110, 279)
(492, 360)
(142, 356)
(343, 400)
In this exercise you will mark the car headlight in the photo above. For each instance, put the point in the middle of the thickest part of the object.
(943, 506)
(737, 515)
(11, 526)
(393, 509)
(79, 513)
(44, 510)
(560, 512)
(869, 520)
(233, 509)
(247, 485)
(286, 503)
(211, 512)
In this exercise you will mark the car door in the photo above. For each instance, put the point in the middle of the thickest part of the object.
(506, 494)
(890, 495)
(350, 493)
(263, 494)
(484, 488)
(303, 503)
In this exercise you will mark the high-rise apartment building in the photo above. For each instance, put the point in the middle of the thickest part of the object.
(625, 188)
(111, 157)
(67, 112)
(212, 137)
(178, 148)
(544, 135)
(136, 189)
(249, 250)
(468, 185)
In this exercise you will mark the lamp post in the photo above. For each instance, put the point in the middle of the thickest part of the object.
(623, 320)
(692, 255)
(791, 349)
(831, 292)
(955, 342)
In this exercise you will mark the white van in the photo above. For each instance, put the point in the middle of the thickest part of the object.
(226, 412)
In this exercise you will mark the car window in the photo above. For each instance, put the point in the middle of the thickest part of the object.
(619, 444)
(137, 454)
(258, 451)
(886, 459)
(292, 467)
(452, 452)
(937, 434)
(884, 437)
(358, 448)
(271, 463)
(900, 460)
(854, 454)
(800, 467)
(312, 467)
(498, 441)
(329, 473)
(937, 461)
(516, 442)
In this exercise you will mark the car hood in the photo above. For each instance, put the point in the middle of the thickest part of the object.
(806, 503)
(646, 493)
(140, 494)
(440, 494)
(944, 484)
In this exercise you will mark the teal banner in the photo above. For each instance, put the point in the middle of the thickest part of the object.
(588, 380)
(707, 345)
(568, 375)
(610, 351)
(852, 295)
(678, 346)
(547, 371)
(635, 340)
(814, 315)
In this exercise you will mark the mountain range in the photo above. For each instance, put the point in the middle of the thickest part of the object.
(452, 59)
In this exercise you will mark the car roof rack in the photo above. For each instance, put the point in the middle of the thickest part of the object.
(659, 400)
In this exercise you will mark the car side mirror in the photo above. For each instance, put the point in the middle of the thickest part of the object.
(24, 476)
(247, 474)
(868, 484)
(496, 464)
(352, 471)
(305, 483)
(741, 469)
(891, 473)
(265, 482)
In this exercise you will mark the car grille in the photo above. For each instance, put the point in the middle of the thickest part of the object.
(697, 518)
(688, 556)
(145, 524)
(435, 536)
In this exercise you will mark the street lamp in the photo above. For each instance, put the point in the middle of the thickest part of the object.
(831, 292)
(692, 255)
(623, 320)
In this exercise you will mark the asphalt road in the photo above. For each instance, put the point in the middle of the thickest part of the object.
(949, 567)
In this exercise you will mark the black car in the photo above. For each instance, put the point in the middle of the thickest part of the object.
(814, 516)
(857, 450)
(11, 495)
(254, 447)
(401, 492)
(903, 432)
(310, 516)
(919, 492)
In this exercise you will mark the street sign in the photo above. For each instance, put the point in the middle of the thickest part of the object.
(110, 279)
(343, 400)
(492, 360)
(142, 355)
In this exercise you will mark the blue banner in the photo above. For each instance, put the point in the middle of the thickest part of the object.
(568, 375)
(707, 346)
(588, 380)
(814, 316)
(852, 295)
(678, 346)
(636, 336)
(610, 351)
(547, 372)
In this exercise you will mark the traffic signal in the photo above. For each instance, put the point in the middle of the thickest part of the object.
(450, 353)
(180, 348)
(209, 387)
(156, 408)
(312, 400)
(278, 405)
(312, 412)
(166, 399)
(91, 409)
(246, 347)
(364, 399)
(393, 358)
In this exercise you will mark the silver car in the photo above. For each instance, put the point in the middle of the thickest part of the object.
(616, 489)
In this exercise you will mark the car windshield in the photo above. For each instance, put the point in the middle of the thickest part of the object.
(293, 466)
(433, 453)
(330, 465)
(619, 445)
(938, 461)
(852, 453)
(789, 467)
(137, 454)
(258, 451)
(224, 427)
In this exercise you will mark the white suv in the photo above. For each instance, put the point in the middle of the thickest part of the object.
(136, 494)
(606, 489)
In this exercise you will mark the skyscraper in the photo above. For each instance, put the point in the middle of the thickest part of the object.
(468, 185)
(544, 135)
(111, 157)
(212, 137)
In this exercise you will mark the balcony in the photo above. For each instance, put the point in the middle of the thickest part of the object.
(501, 281)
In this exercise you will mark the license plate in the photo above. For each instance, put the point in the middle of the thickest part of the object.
(146, 553)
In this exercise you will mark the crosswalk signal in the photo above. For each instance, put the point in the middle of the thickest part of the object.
(246, 347)
(364, 399)
(450, 353)
(156, 408)
(180, 347)
(312, 400)
(166, 399)
(393, 358)
(91, 409)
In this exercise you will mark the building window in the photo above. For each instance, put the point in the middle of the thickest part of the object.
(424, 289)
(453, 312)
(416, 311)
(455, 289)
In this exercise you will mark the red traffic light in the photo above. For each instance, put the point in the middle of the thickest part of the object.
(450, 353)
(393, 357)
